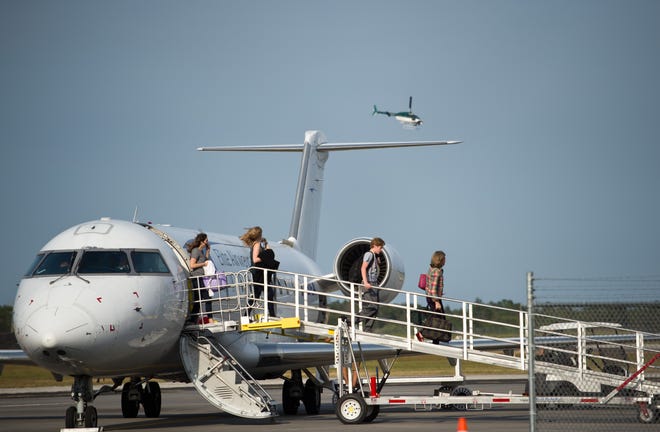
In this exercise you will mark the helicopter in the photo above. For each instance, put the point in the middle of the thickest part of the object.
(406, 118)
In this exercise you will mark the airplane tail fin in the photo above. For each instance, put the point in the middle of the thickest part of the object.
(375, 110)
(307, 205)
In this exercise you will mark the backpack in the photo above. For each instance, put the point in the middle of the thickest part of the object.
(355, 273)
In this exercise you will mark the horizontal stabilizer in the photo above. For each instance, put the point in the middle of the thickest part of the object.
(329, 146)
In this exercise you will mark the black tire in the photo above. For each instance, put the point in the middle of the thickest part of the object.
(372, 413)
(129, 408)
(460, 391)
(91, 417)
(445, 389)
(312, 398)
(70, 417)
(648, 415)
(351, 409)
(335, 398)
(151, 399)
(289, 404)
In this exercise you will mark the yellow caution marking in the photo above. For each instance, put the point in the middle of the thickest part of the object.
(283, 323)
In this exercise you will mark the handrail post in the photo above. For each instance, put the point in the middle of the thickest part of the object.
(521, 335)
(265, 294)
(466, 331)
(306, 297)
(531, 349)
(408, 318)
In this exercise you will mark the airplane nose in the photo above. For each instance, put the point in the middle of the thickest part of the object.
(49, 340)
(59, 329)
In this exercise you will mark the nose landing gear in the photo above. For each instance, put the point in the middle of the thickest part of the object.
(82, 414)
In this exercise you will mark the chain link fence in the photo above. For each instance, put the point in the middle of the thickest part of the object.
(596, 345)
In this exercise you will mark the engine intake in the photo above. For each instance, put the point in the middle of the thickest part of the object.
(349, 260)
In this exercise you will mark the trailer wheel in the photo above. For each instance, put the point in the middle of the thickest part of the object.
(351, 408)
(444, 389)
(647, 414)
(460, 391)
(372, 413)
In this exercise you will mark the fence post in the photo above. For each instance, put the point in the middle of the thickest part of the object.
(531, 386)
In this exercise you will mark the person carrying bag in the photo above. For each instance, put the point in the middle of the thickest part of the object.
(439, 327)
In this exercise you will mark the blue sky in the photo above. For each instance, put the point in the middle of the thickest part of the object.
(103, 104)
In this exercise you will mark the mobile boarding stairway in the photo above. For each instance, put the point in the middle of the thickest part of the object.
(575, 362)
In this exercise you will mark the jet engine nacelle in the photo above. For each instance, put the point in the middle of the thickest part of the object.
(349, 261)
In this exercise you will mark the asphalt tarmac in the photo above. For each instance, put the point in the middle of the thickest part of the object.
(184, 409)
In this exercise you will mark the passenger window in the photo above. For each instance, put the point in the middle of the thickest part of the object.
(148, 262)
(55, 263)
(104, 262)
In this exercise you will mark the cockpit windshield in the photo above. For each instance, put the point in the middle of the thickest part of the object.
(99, 261)
(148, 262)
(55, 263)
(104, 262)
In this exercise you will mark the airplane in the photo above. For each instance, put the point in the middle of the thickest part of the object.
(110, 298)
(405, 118)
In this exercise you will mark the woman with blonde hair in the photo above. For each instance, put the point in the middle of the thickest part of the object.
(253, 239)
(261, 256)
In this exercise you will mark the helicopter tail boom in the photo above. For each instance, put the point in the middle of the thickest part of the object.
(387, 113)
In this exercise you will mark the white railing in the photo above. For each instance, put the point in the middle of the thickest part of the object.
(602, 347)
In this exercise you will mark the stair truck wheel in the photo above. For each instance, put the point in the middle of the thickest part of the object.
(460, 391)
(371, 414)
(351, 408)
(648, 413)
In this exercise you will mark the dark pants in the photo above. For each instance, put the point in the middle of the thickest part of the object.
(199, 290)
(369, 308)
(430, 304)
(258, 288)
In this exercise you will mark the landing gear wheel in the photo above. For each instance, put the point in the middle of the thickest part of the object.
(351, 409)
(289, 404)
(70, 417)
(372, 413)
(151, 399)
(129, 408)
(648, 415)
(460, 391)
(312, 398)
(91, 417)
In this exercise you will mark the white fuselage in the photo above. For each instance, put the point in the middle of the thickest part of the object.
(407, 119)
(123, 320)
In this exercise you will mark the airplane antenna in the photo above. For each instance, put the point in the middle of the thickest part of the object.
(135, 213)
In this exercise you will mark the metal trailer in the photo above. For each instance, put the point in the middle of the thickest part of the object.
(362, 405)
